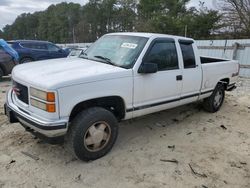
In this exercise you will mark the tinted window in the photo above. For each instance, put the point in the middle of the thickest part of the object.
(53, 48)
(40, 46)
(36, 46)
(164, 54)
(188, 55)
(25, 45)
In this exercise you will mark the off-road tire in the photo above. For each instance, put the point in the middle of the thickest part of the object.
(79, 127)
(209, 104)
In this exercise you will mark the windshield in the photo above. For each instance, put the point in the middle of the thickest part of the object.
(118, 50)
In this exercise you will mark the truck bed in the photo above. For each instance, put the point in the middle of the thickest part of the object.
(217, 69)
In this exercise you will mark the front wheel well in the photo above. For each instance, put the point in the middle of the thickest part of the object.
(115, 104)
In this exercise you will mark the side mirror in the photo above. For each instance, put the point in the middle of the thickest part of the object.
(60, 50)
(148, 68)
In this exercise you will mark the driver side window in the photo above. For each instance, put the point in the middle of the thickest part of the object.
(164, 54)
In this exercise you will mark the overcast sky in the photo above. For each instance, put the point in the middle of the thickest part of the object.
(10, 9)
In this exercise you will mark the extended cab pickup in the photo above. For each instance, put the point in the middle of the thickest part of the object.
(121, 76)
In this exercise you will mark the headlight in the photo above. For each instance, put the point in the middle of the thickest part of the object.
(46, 96)
(43, 106)
(43, 100)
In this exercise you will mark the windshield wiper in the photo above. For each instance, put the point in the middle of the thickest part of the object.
(107, 60)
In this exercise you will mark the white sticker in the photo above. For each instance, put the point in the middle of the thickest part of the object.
(129, 45)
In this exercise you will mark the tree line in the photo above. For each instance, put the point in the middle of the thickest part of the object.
(70, 22)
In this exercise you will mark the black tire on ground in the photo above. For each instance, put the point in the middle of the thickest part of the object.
(26, 60)
(1, 73)
(214, 102)
(92, 133)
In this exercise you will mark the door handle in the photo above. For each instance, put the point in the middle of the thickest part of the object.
(179, 77)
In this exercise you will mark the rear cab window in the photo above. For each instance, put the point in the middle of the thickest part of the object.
(188, 53)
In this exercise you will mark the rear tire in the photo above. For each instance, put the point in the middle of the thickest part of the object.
(92, 133)
(214, 102)
(26, 60)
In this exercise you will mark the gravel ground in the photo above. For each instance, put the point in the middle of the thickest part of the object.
(205, 150)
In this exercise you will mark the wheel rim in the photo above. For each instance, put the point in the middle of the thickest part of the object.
(97, 136)
(218, 98)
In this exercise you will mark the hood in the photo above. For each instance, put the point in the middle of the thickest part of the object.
(57, 73)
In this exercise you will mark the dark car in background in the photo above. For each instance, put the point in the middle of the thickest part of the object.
(76, 52)
(7, 62)
(33, 50)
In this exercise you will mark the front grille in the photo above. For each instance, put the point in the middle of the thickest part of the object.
(21, 92)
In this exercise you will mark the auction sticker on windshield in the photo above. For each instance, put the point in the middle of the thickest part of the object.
(129, 45)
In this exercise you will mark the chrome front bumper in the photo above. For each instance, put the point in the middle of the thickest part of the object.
(45, 128)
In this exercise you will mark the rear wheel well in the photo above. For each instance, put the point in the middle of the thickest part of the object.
(225, 82)
(114, 104)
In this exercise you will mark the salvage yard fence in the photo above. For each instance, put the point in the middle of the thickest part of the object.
(229, 49)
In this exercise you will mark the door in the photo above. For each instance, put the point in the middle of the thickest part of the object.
(160, 90)
(192, 72)
(39, 49)
(35, 50)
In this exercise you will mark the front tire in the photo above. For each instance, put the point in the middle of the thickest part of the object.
(214, 102)
(92, 133)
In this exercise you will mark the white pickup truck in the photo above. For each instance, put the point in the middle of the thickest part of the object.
(121, 76)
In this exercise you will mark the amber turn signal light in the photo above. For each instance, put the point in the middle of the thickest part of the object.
(50, 96)
(51, 108)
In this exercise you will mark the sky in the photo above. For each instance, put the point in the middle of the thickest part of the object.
(10, 9)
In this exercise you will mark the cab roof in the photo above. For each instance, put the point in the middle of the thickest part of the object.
(149, 35)
(36, 41)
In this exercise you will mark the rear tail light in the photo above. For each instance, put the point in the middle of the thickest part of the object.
(238, 71)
